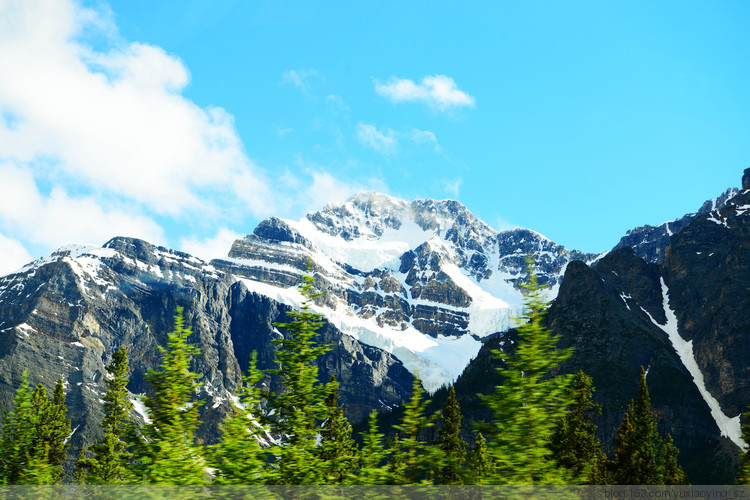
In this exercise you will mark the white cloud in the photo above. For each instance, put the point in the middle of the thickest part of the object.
(57, 218)
(424, 137)
(336, 104)
(284, 131)
(13, 255)
(211, 248)
(300, 78)
(501, 224)
(383, 142)
(452, 186)
(438, 91)
(387, 140)
(115, 121)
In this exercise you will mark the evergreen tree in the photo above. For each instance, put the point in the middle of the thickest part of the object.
(337, 448)
(412, 460)
(109, 462)
(478, 461)
(641, 458)
(744, 477)
(574, 443)
(450, 441)
(238, 457)
(673, 473)
(34, 436)
(529, 403)
(166, 451)
(372, 456)
(301, 406)
(52, 428)
(599, 472)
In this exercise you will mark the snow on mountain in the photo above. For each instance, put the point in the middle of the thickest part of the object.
(423, 280)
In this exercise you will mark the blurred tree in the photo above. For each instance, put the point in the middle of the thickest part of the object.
(529, 403)
(166, 451)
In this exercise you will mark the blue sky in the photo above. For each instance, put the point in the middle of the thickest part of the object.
(186, 123)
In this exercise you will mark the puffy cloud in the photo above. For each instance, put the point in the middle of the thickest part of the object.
(383, 142)
(210, 248)
(452, 186)
(57, 218)
(437, 91)
(300, 78)
(14, 255)
(387, 140)
(115, 121)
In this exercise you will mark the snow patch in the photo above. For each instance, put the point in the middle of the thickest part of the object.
(729, 427)
(140, 408)
(437, 361)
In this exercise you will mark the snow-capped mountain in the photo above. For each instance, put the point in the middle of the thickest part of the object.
(423, 280)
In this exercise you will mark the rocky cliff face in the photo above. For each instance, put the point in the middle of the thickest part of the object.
(63, 316)
(685, 319)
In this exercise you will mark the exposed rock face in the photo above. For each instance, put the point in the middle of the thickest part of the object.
(64, 316)
(704, 273)
(746, 179)
(649, 242)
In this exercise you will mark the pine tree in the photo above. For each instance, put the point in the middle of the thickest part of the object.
(412, 459)
(673, 473)
(52, 428)
(337, 448)
(34, 436)
(599, 472)
(744, 477)
(636, 457)
(109, 462)
(372, 456)
(166, 452)
(574, 443)
(641, 456)
(529, 403)
(301, 406)
(452, 444)
(478, 461)
(238, 457)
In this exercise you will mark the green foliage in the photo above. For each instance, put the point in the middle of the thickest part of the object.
(744, 477)
(529, 403)
(641, 458)
(166, 451)
(411, 459)
(34, 435)
(337, 448)
(372, 456)
(452, 444)
(478, 461)
(574, 443)
(297, 410)
(673, 473)
(109, 461)
(238, 458)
